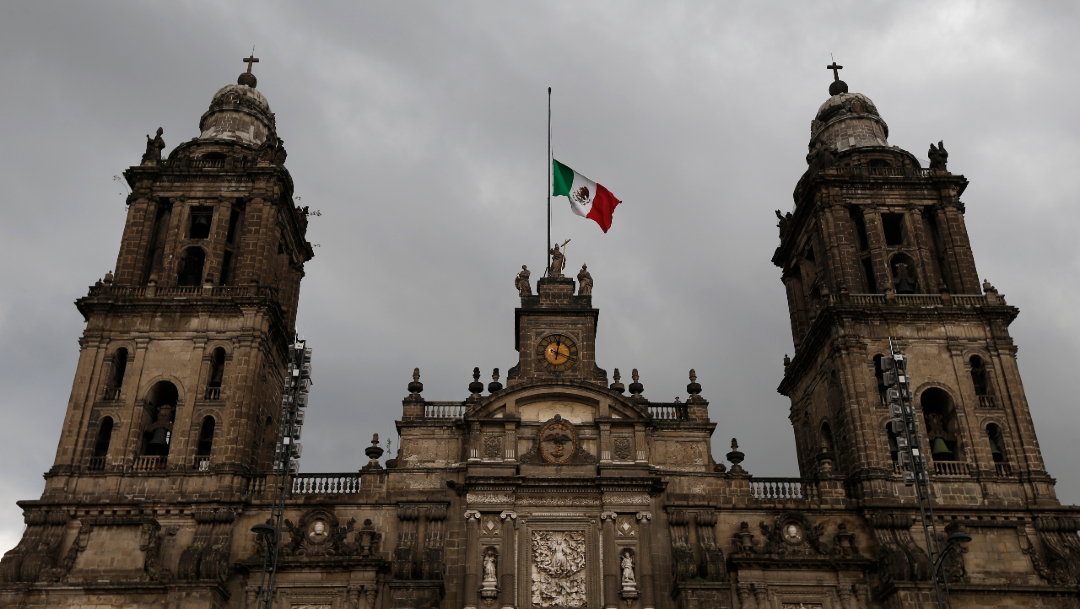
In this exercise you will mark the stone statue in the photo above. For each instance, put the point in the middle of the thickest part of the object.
(154, 146)
(521, 282)
(988, 287)
(939, 157)
(558, 260)
(627, 564)
(489, 566)
(584, 282)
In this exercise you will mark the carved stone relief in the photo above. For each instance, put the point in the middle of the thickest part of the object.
(492, 446)
(558, 569)
(623, 447)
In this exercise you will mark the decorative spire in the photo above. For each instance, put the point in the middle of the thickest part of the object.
(247, 78)
(494, 385)
(837, 86)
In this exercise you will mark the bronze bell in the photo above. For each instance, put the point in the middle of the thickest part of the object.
(939, 448)
(903, 286)
(994, 448)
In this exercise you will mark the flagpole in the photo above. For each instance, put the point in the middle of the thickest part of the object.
(547, 244)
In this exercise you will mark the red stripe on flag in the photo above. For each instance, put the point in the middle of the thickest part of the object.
(603, 206)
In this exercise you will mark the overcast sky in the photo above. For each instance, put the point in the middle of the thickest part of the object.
(418, 130)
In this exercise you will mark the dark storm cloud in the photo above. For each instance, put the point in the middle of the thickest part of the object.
(419, 132)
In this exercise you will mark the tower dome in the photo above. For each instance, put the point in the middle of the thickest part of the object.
(848, 120)
(238, 113)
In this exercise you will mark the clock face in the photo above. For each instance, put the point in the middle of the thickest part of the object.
(557, 352)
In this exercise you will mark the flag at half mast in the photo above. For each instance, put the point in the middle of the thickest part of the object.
(587, 198)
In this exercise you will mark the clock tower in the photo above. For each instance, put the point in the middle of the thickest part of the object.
(556, 335)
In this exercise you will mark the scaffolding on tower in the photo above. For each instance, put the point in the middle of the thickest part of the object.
(294, 401)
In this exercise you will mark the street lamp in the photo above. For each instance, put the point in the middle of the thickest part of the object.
(953, 541)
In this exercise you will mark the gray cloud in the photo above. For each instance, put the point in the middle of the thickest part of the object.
(418, 129)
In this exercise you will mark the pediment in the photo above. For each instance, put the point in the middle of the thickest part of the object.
(579, 404)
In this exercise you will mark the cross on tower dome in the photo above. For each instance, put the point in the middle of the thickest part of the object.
(837, 86)
(247, 78)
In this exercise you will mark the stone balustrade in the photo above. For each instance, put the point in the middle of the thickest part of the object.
(444, 410)
(150, 291)
(668, 411)
(779, 489)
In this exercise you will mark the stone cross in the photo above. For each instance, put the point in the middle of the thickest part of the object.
(833, 67)
(250, 60)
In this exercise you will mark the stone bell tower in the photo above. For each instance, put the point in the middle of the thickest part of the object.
(875, 248)
(180, 364)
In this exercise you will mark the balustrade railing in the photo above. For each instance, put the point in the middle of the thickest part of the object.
(96, 464)
(784, 489)
(1003, 469)
(149, 463)
(325, 484)
(951, 468)
(219, 291)
(201, 464)
(987, 401)
(111, 394)
(213, 393)
(668, 411)
(911, 300)
(444, 410)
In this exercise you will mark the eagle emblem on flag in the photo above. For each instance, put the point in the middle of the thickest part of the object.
(581, 195)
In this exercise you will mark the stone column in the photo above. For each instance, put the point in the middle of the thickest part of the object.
(472, 557)
(645, 573)
(610, 561)
(508, 562)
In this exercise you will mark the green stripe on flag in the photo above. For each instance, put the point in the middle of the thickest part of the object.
(563, 178)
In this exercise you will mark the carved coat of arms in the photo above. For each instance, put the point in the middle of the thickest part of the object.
(558, 569)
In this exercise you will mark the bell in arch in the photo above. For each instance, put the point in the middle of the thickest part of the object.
(904, 286)
(939, 449)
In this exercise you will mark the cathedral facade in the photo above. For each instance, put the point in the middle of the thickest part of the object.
(563, 487)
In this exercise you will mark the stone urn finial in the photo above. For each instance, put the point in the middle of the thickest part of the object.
(694, 388)
(736, 457)
(415, 387)
(494, 385)
(635, 388)
(617, 386)
(374, 452)
(475, 387)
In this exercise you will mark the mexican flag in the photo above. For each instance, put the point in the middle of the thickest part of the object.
(587, 198)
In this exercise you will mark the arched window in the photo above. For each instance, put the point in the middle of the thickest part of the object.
(101, 444)
(997, 443)
(879, 374)
(980, 378)
(161, 408)
(940, 420)
(905, 279)
(205, 444)
(217, 373)
(116, 376)
(191, 267)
